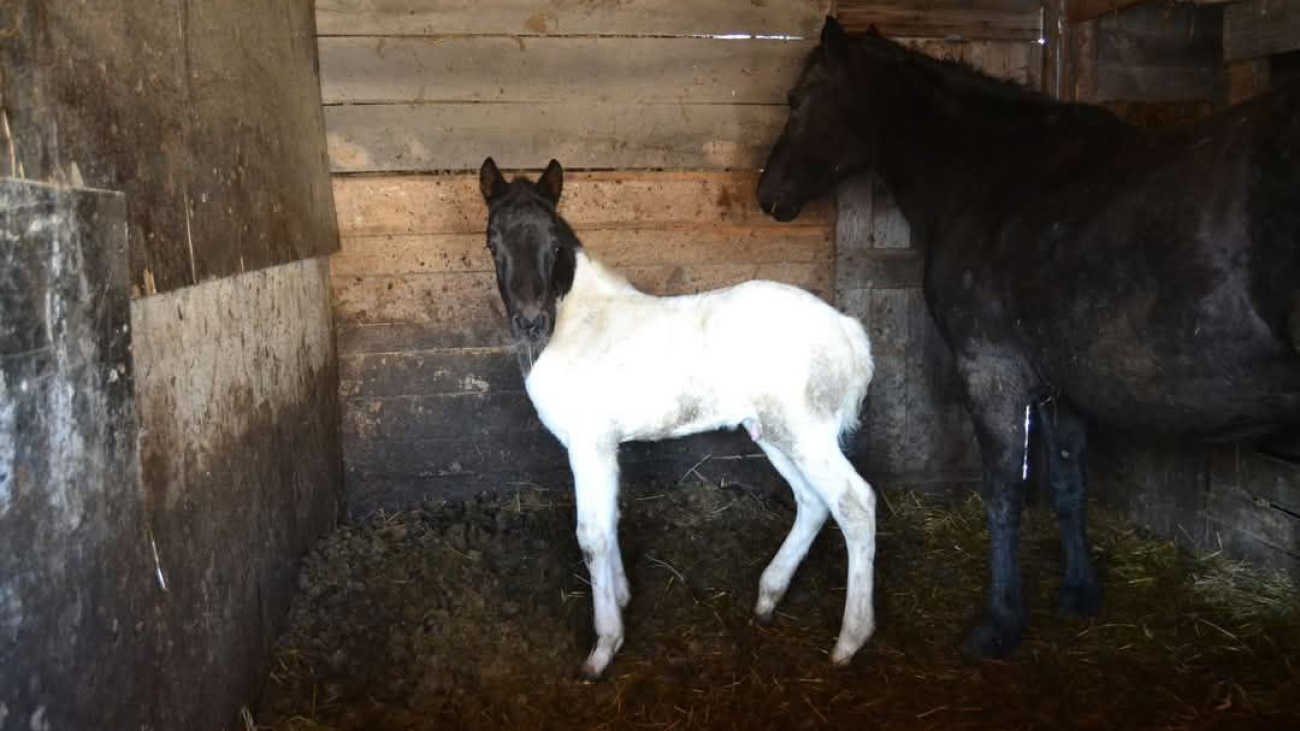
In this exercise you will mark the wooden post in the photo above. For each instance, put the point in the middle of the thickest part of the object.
(1084, 44)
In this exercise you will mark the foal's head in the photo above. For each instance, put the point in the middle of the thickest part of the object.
(822, 141)
(532, 247)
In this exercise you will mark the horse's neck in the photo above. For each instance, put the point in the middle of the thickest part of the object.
(593, 285)
(939, 150)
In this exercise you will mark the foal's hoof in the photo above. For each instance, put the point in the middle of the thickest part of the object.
(992, 638)
(1079, 600)
(765, 619)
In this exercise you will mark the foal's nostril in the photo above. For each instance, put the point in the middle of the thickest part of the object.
(531, 327)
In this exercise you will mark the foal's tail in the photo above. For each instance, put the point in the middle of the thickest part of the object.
(861, 370)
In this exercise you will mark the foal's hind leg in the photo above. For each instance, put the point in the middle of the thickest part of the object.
(1065, 438)
(853, 504)
(810, 514)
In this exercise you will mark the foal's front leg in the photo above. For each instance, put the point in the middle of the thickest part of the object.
(595, 478)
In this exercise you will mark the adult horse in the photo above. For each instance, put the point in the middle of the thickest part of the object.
(1078, 267)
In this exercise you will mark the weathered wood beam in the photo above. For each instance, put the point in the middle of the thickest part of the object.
(1257, 28)
(968, 23)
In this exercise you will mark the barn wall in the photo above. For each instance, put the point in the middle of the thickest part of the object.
(915, 428)
(660, 128)
(205, 118)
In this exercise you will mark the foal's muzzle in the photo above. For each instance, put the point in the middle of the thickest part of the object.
(533, 328)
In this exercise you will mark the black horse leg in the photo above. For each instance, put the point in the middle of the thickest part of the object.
(998, 410)
(1065, 440)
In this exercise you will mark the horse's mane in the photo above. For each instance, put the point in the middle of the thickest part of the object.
(947, 75)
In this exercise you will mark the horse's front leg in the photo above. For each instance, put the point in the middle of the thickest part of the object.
(1065, 438)
(999, 393)
(595, 478)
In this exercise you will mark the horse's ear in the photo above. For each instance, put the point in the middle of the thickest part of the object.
(552, 181)
(490, 181)
(835, 41)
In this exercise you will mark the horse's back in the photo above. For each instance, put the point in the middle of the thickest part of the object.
(1154, 284)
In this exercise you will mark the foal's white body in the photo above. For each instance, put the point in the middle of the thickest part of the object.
(623, 365)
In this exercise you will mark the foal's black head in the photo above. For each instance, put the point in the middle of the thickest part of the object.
(533, 249)
(822, 141)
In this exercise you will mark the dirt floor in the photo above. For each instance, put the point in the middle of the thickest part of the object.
(476, 616)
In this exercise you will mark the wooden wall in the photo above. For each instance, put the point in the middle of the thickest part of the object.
(151, 584)
(661, 127)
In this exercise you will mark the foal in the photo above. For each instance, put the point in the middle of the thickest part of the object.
(605, 363)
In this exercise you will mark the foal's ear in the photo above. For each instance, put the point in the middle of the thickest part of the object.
(552, 182)
(834, 42)
(490, 181)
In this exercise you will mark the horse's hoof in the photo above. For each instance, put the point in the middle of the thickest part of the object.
(589, 674)
(765, 619)
(993, 638)
(1079, 600)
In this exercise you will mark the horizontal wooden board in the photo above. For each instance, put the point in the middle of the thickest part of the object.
(371, 255)
(1017, 61)
(433, 137)
(543, 17)
(473, 296)
(533, 450)
(456, 416)
(1017, 24)
(1256, 28)
(429, 372)
(576, 71)
(426, 204)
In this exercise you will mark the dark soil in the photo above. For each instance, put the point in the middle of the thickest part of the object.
(476, 616)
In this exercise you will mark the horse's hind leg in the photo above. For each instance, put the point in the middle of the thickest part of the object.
(1065, 438)
(810, 514)
(853, 505)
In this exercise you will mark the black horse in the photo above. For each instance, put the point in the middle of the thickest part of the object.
(1076, 265)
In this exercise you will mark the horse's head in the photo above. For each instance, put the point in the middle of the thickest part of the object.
(532, 247)
(822, 142)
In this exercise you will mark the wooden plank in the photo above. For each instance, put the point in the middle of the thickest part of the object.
(1020, 24)
(463, 298)
(1248, 78)
(259, 193)
(1159, 85)
(578, 71)
(371, 255)
(881, 269)
(565, 17)
(1084, 47)
(432, 137)
(1017, 61)
(426, 204)
(525, 452)
(225, 99)
(450, 416)
(1078, 11)
(1256, 28)
(429, 373)
(1253, 509)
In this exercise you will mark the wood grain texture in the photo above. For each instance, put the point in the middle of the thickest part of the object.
(547, 17)
(1022, 23)
(576, 71)
(205, 114)
(426, 204)
(1256, 28)
(457, 136)
(469, 305)
(432, 253)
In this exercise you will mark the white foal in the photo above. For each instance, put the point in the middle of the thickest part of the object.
(606, 363)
